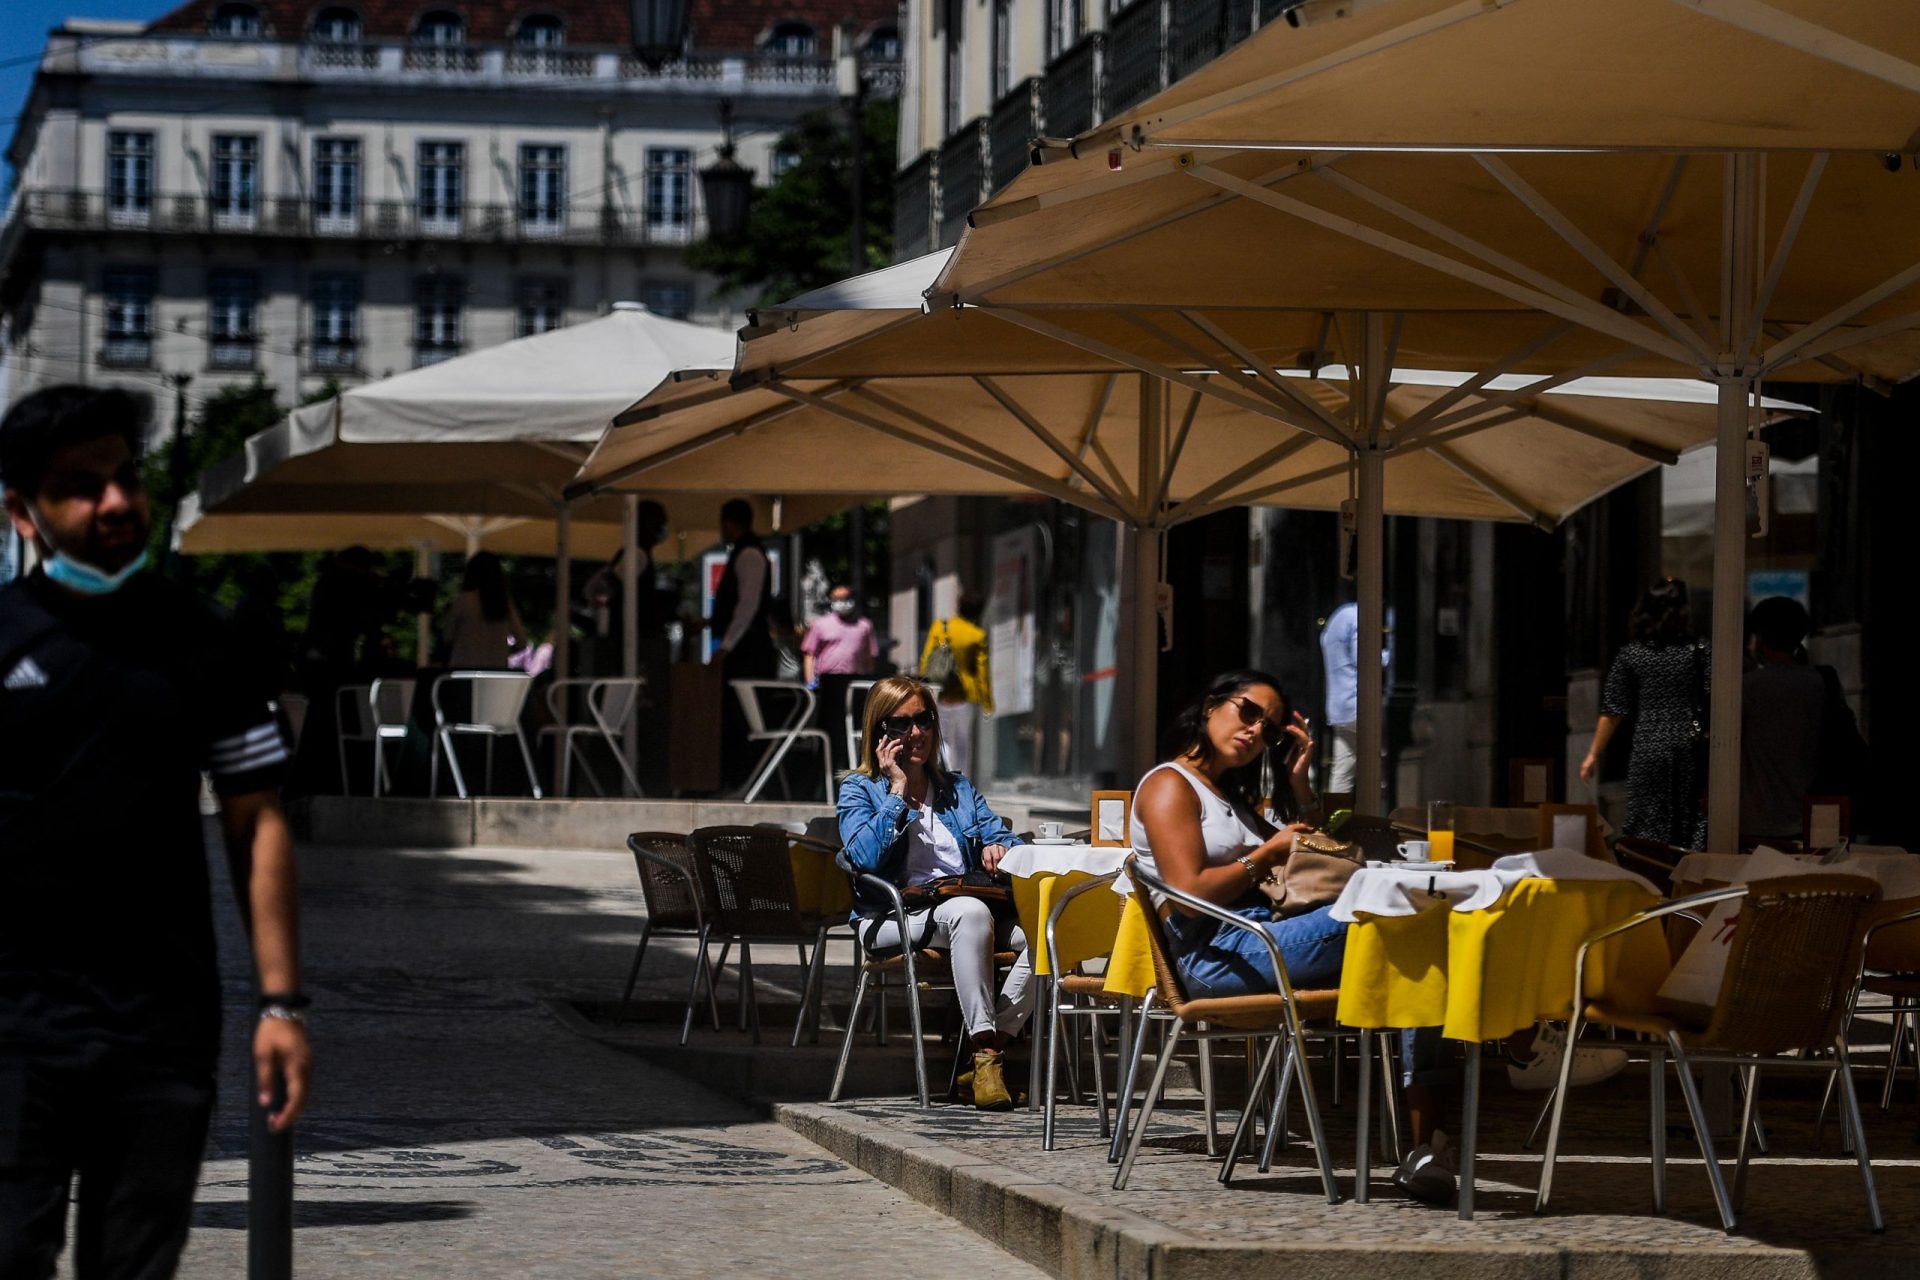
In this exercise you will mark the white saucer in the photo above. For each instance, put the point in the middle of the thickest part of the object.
(1059, 840)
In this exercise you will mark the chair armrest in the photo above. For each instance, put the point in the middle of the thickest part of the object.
(1060, 907)
(1683, 907)
(1221, 914)
(892, 891)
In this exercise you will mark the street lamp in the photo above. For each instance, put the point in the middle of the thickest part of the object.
(726, 186)
(659, 29)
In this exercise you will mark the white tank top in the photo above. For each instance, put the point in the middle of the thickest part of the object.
(1224, 832)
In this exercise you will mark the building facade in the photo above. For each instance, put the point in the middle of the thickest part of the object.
(307, 191)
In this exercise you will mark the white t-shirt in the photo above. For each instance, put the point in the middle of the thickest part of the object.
(1223, 831)
(932, 852)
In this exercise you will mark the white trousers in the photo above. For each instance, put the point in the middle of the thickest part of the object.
(957, 721)
(964, 929)
(1346, 758)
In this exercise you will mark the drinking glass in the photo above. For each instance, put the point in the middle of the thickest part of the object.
(1440, 830)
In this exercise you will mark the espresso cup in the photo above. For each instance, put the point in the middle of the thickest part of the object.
(1050, 830)
(1415, 850)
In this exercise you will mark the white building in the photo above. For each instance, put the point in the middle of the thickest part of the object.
(305, 190)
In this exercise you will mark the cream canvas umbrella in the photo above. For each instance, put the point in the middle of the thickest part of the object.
(963, 401)
(1354, 168)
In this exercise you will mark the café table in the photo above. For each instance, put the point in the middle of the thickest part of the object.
(1481, 955)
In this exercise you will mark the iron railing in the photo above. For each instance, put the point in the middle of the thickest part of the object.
(913, 232)
(1011, 129)
(962, 177)
(1070, 91)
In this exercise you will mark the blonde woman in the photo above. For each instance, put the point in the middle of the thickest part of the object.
(908, 820)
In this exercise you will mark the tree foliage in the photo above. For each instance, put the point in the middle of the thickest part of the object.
(799, 228)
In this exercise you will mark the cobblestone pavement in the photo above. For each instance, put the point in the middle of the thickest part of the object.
(459, 1130)
(1801, 1196)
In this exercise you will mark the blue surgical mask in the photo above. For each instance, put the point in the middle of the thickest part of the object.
(77, 575)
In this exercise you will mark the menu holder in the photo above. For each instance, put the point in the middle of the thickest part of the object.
(1572, 826)
(1109, 820)
(1827, 821)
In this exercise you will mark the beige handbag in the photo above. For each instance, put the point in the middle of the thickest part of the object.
(1313, 874)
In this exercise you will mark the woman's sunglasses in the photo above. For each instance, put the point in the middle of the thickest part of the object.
(1252, 713)
(897, 726)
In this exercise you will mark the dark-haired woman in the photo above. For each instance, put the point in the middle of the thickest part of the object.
(1659, 680)
(907, 819)
(483, 628)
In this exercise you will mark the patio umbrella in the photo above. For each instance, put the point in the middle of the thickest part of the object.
(1355, 168)
(963, 401)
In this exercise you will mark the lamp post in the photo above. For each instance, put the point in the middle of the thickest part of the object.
(659, 29)
(726, 186)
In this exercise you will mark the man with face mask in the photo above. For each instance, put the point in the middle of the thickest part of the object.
(840, 647)
(117, 689)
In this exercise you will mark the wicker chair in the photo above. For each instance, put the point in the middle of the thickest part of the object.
(747, 879)
(1887, 972)
(920, 971)
(1653, 859)
(1793, 963)
(1275, 1018)
(674, 910)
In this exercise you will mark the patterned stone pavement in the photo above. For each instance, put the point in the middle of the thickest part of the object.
(460, 1130)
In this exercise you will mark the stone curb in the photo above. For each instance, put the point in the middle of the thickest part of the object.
(1075, 1237)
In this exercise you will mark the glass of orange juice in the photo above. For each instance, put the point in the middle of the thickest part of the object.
(1440, 830)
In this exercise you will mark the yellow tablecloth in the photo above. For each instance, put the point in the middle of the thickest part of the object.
(820, 886)
(1482, 975)
(1085, 932)
(1130, 967)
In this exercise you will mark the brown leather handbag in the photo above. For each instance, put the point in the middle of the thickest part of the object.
(1313, 874)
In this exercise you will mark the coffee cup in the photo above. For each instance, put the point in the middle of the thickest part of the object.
(1415, 850)
(1050, 830)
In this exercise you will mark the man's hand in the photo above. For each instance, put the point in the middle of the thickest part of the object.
(281, 1054)
(991, 855)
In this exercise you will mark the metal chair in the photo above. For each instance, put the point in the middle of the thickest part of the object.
(610, 705)
(352, 722)
(1794, 961)
(1073, 994)
(1887, 972)
(746, 880)
(781, 739)
(674, 910)
(857, 692)
(375, 714)
(1275, 1018)
(493, 711)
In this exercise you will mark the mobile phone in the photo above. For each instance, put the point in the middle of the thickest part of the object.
(1336, 820)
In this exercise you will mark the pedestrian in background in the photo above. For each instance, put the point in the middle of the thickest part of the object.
(840, 647)
(1340, 659)
(1660, 681)
(117, 689)
(955, 659)
(483, 629)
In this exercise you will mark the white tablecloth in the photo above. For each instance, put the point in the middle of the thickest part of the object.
(1058, 859)
(1408, 888)
(1896, 870)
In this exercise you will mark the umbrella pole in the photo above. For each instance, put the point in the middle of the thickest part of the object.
(1369, 574)
(562, 623)
(1144, 662)
(423, 622)
(630, 617)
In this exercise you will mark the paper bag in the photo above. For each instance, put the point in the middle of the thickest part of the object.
(1694, 984)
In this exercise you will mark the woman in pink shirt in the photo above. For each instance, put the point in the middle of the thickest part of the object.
(839, 647)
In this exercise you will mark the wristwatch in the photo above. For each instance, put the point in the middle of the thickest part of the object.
(1253, 871)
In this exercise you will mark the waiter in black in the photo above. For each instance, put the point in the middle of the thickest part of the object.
(117, 690)
(743, 645)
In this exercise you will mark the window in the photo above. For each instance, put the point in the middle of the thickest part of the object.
(336, 184)
(235, 21)
(129, 175)
(440, 27)
(543, 306)
(791, 40)
(670, 298)
(436, 318)
(335, 303)
(129, 339)
(1064, 26)
(337, 25)
(540, 31)
(230, 308)
(235, 167)
(442, 181)
(1002, 48)
(955, 62)
(884, 44)
(543, 189)
(669, 193)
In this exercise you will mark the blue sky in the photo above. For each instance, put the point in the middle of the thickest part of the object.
(23, 33)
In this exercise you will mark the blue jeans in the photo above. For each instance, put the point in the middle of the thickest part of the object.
(1233, 962)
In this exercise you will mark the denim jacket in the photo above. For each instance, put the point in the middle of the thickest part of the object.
(873, 830)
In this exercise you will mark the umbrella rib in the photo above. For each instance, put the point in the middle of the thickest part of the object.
(1258, 405)
(1267, 373)
(635, 413)
(1493, 486)
(1174, 451)
(1778, 354)
(673, 453)
(1251, 382)
(1845, 338)
(1099, 412)
(1189, 511)
(1585, 246)
(1415, 422)
(1106, 182)
(1588, 314)
(1279, 453)
(935, 443)
(1608, 435)
(1821, 42)
(1116, 496)
(1788, 235)
(1516, 395)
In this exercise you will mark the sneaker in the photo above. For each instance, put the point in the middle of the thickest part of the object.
(1542, 1070)
(989, 1081)
(1431, 1172)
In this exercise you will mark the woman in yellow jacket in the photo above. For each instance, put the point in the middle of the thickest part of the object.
(955, 658)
